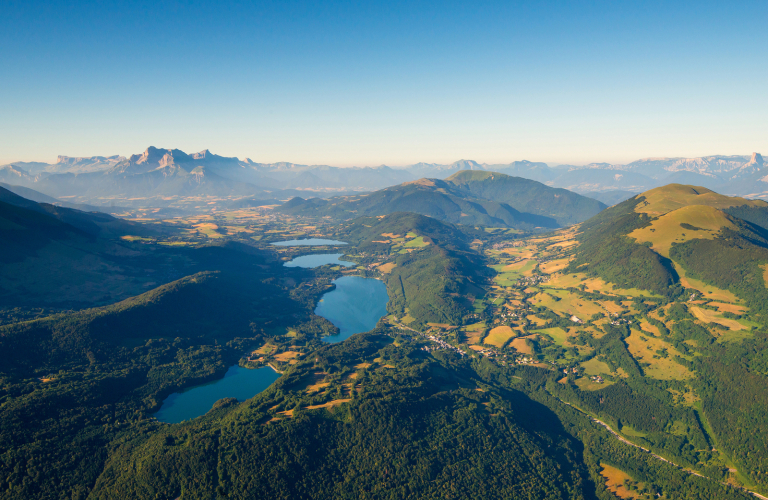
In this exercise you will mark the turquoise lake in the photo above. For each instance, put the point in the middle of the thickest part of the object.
(317, 260)
(307, 242)
(355, 306)
(238, 382)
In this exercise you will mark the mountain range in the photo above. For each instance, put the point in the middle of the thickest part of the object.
(160, 177)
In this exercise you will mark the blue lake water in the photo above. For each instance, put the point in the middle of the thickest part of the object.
(318, 259)
(238, 382)
(308, 242)
(355, 306)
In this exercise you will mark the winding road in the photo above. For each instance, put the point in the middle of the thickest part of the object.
(679, 467)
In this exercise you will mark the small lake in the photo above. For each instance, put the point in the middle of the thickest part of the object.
(238, 382)
(317, 260)
(309, 242)
(355, 306)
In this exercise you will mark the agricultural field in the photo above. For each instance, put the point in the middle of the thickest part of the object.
(621, 484)
(656, 357)
(499, 336)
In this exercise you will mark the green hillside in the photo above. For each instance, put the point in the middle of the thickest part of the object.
(63, 257)
(435, 280)
(431, 197)
(648, 240)
(74, 382)
(94, 223)
(525, 195)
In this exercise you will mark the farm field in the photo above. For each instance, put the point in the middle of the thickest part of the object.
(499, 336)
(659, 355)
(710, 316)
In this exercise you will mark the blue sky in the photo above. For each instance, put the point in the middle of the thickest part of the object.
(369, 83)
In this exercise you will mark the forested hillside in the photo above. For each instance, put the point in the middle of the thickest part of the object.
(431, 197)
(526, 195)
(432, 274)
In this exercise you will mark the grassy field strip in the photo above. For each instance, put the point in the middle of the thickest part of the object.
(709, 316)
(708, 291)
(615, 479)
(499, 336)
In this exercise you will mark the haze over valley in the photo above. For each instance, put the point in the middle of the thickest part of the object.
(165, 177)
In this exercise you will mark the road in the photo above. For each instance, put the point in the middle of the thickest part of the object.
(679, 467)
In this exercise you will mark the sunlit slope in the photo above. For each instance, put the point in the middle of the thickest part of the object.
(650, 240)
(681, 225)
(668, 198)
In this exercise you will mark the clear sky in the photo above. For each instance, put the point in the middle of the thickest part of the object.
(390, 82)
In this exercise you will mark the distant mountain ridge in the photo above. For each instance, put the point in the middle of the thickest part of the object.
(161, 173)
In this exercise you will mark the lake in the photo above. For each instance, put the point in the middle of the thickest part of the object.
(317, 260)
(309, 242)
(355, 306)
(238, 382)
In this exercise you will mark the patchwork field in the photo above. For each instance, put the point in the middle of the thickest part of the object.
(536, 320)
(593, 284)
(554, 266)
(386, 268)
(570, 304)
(510, 273)
(731, 308)
(521, 346)
(645, 350)
(596, 367)
(474, 333)
(585, 384)
(558, 335)
(499, 336)
(710, 316)
(650, 328)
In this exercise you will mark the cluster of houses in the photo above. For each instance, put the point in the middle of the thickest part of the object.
(533, 280)
(507, 244)
(525, 361)
(441, 344)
